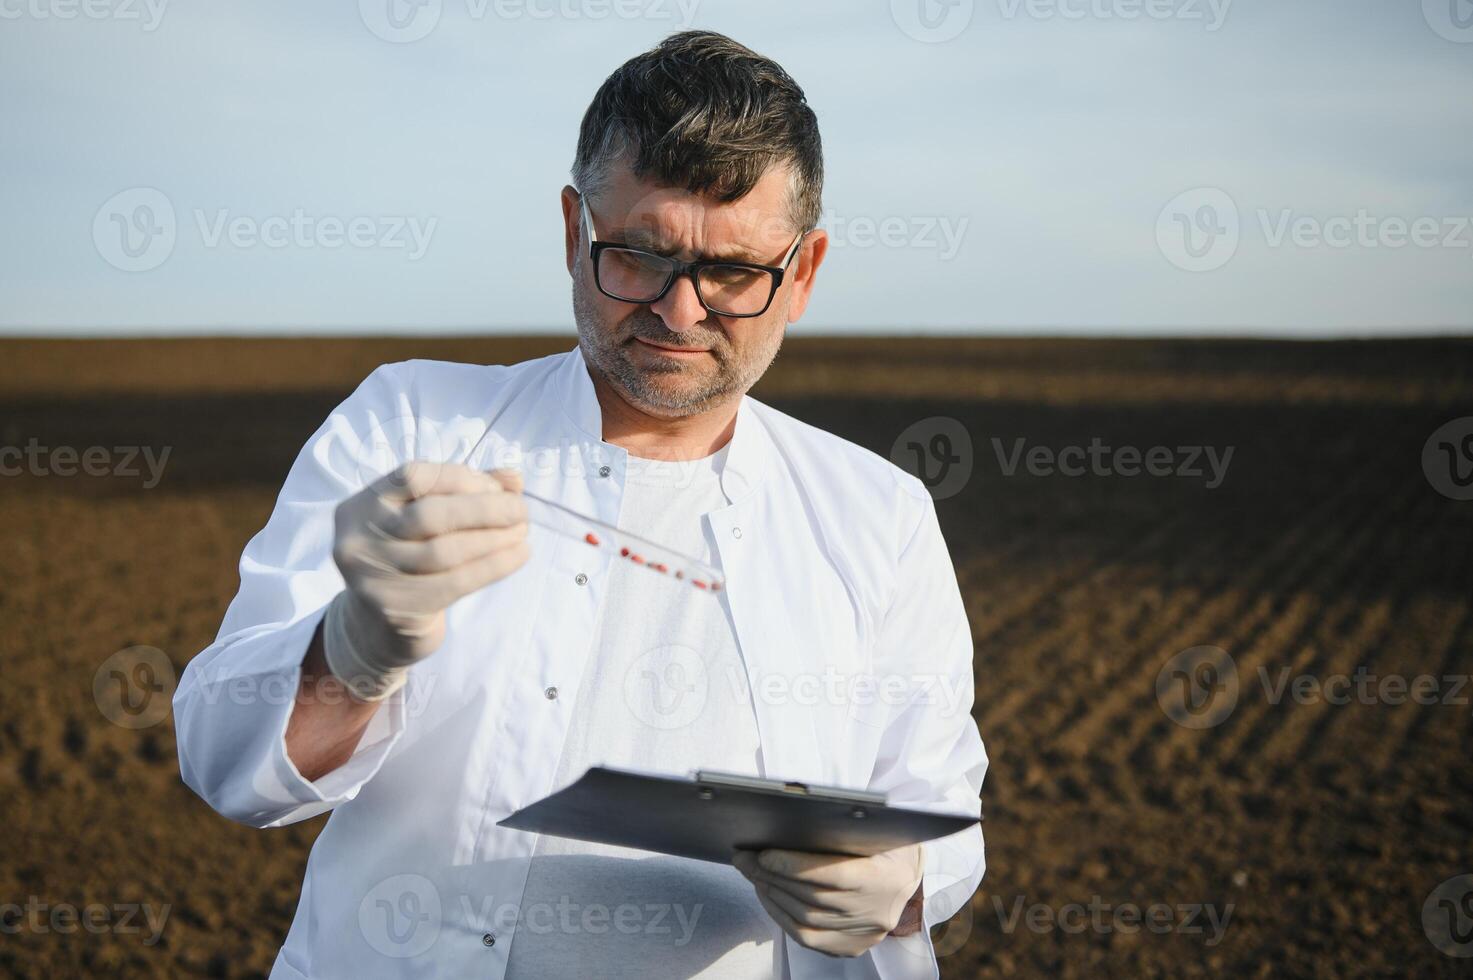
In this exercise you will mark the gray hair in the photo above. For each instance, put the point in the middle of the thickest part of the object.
(701, 112)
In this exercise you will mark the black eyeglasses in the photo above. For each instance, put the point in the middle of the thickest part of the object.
(633, 275)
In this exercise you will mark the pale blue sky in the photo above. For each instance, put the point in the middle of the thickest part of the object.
(1081, 166)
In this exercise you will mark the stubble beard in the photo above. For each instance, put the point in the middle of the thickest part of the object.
(655, 389)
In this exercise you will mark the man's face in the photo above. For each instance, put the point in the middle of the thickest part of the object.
(671, 358)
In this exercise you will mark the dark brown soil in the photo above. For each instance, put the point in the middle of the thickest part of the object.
(1319, 829)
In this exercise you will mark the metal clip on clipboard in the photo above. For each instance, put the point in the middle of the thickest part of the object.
(706, 778)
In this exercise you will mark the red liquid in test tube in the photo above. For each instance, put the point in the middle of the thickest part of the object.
(657, 558)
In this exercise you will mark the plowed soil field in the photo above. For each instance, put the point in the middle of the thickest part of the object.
(1208, 584)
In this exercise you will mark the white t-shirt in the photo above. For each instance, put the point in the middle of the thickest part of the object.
(665, 690)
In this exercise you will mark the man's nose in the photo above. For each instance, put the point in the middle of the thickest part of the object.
(680, 307)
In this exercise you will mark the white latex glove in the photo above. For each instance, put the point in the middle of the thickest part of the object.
(408, 546)
(831, 903)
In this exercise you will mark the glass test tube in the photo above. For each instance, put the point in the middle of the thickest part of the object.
(625, 546)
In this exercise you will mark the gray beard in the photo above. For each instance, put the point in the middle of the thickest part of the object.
(641, 386)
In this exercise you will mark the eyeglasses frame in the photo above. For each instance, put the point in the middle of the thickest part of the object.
(684, 269)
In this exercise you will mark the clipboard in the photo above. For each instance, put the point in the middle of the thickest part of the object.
(710, 816)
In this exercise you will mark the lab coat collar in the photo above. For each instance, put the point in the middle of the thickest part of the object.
(751, 445)
(576, 395)
(751, 452)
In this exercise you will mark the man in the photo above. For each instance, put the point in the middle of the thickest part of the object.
(489, 661)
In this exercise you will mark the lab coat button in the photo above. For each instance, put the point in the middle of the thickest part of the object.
(603, 471)
(581, 579)
(736, 532)
(550, 694)
(488, 940)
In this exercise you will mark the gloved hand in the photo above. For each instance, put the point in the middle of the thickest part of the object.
(834, 904)
(408, 546)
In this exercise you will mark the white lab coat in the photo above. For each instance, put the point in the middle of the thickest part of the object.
(845, 604)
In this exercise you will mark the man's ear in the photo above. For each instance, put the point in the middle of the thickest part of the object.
(804, 269)
(572, 225)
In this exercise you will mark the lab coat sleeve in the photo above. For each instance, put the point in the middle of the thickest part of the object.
(234, 698)
(931, 753)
